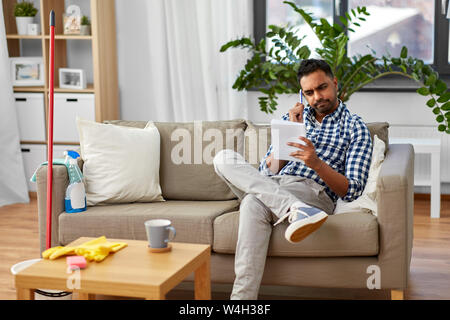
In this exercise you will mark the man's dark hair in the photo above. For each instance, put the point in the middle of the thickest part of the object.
(308, 66)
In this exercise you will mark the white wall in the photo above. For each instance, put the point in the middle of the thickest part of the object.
(397, 108)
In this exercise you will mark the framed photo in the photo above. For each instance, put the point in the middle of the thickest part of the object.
(72, 24)
(72, 78)
(27, 71)
(72, 20)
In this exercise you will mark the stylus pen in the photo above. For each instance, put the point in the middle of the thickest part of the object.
(301, 96)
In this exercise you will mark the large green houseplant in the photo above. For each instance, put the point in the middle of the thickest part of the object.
(274, 72)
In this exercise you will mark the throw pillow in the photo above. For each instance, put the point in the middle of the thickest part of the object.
(121, 164)
(195, 178)
(367, 202)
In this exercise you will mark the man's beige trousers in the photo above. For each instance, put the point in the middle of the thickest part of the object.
(264, 200)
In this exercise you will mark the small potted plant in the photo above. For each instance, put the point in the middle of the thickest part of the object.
(24, 12)
(85, 29)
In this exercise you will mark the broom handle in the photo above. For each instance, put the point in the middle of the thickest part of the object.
(50, 131)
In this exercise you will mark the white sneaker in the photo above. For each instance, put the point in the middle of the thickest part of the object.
(303, 220)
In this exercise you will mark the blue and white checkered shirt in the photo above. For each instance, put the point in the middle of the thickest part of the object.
(342, 141)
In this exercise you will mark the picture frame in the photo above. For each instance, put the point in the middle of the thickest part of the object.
(27, 71)
(72, 78)
(72, 20)
(72, 24)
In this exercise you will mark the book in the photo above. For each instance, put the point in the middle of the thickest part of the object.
(283, 131)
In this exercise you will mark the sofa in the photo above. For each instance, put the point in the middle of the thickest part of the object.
(345, 252)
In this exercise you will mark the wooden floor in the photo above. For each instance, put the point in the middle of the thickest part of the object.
(430, 265)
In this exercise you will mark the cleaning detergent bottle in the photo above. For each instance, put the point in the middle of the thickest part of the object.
(75, 199)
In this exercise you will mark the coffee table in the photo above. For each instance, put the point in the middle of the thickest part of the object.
(130, 272)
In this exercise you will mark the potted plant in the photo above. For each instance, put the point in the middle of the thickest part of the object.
(274, 71)
(24, 12)
(85, 26)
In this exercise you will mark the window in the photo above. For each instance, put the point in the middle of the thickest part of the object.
(393, 24)
(420, 25)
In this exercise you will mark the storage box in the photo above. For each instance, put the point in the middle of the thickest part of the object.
(67, 107)
(33, 156)
(31, 116)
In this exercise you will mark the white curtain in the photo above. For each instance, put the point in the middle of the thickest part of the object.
(170, 66)
(13, 185)
(448, 10)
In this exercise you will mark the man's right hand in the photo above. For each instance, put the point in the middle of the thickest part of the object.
(296, 113)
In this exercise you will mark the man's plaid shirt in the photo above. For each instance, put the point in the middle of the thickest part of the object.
(342, 141)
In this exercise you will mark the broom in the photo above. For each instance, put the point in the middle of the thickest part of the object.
(52, 293)
(50, 131)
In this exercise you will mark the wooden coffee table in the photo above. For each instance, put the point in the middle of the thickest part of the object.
(130, 272)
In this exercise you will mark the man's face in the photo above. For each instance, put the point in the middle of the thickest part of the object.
(320, 91)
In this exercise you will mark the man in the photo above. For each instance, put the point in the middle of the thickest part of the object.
(335, 162)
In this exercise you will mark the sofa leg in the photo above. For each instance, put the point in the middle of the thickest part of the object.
(397, 295)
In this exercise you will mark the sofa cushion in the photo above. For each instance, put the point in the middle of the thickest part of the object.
(188, 173)
(193, 220)
(348, 234)
(121, 164)
(367, 202)
(381, 129)
(257, 142)
(262, 132)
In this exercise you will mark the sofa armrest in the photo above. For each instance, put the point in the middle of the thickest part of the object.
(395, 189)
(60, 183)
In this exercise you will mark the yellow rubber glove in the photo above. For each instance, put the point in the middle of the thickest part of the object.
(118, 245)
(47, 253)
(94, 250)
(62, 252)
(101, 253)
(57, 252)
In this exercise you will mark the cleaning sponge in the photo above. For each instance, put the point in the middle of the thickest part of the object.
(76, 262)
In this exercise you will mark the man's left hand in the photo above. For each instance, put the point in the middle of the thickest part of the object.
(307, 153)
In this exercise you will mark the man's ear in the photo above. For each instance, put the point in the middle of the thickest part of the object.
(335, 81)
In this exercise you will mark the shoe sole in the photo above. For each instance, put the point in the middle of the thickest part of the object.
(306, 227)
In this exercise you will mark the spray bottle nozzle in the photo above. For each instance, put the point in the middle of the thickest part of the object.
(72, 154)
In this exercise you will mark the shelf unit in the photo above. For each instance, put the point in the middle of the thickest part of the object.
(104, 55)
(103, 90)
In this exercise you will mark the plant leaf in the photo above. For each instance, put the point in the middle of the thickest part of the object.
(444, 98)
(446, 106)
(430, 80)
(441, 87)
(431, 103)
(404, 52)
(423, 91)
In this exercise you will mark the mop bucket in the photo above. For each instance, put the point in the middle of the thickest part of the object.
(41, 294)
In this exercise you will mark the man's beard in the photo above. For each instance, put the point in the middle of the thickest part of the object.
(324, 105)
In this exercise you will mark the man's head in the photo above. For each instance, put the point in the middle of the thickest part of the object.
(319, 85)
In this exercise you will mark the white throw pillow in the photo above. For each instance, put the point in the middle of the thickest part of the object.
(121, 164)
(367, 202)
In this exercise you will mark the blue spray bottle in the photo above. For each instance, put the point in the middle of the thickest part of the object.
(75, 199)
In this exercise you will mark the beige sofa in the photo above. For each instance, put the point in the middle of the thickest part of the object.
(341, 254)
